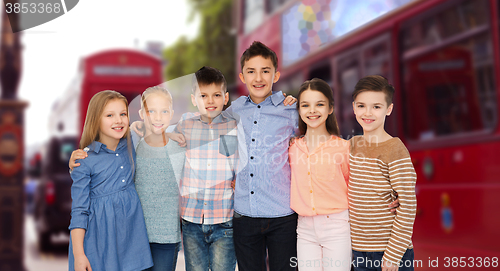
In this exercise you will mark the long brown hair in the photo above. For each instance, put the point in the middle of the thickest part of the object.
(93, 119)
(317, 84)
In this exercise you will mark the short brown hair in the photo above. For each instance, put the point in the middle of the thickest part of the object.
(259, 49)
(374, 83)
(207, 76)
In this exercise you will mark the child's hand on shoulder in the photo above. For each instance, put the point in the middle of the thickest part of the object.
(394, 205)
(138, 128)
(292, 140)
(77, 154)
(179, 138)
(289, 100)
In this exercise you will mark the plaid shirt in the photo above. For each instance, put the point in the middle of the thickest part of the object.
(211, 157)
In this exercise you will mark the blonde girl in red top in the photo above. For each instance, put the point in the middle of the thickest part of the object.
(319, 162)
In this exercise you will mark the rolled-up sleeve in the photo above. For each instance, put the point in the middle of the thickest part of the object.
(80, 194)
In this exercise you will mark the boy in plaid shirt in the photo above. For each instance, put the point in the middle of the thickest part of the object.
(206, 186)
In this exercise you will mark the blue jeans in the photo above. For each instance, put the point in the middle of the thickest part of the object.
(164, 256)
(208, 246)
(367, 261)
(253, 235)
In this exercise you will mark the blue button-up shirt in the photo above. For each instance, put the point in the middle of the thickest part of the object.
(103, 172)
(106, 205)
(263, 177)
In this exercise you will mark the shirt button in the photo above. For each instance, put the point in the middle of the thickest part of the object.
(123, 181)
(311, 191)
(314, 209)
(208, 164)
(121, 167)
(308, 173)
(255, 122)
(251, 157)
(210, 126)
(251, 192)
(327, 216)
(251, 174)
(117, 154)
(205, 203)
(253, 139)
(258, 106)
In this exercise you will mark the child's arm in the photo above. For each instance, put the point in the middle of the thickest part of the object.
(394, 205)
(178, 134)
(402, 177)
(81, 261)
(76, 154)
(80, 211)
(289, 100)
(138, 128)
(177, 137)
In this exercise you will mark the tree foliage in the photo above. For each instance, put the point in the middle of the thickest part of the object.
(214, 46)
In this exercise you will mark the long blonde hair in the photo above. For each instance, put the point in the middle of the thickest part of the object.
(94, 115)
(152, 90)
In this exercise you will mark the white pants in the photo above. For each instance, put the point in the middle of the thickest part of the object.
(324, 242)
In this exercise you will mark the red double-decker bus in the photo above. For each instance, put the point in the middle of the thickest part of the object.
(127, 71)
(443, 57)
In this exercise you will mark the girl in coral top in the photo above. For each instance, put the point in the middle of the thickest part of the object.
(319, 161)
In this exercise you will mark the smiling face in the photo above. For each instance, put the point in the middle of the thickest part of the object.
(370, 108)
(157, 113)
(114, 122)
(259, 75)
(314, 109)
(210, 101)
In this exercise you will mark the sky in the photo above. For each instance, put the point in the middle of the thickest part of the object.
(51, 51)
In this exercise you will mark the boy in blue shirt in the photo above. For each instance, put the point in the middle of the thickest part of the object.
(262, 214)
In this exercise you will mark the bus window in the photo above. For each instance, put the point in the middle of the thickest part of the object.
(448, 82)
(447, 23)
(348, 74)
(273, 5)
(376, 59)
(253, 14)
(323, 72)
(290, 85)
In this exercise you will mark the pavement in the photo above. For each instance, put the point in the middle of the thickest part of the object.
(57, 258)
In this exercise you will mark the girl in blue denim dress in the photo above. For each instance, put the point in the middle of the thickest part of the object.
(107, 227)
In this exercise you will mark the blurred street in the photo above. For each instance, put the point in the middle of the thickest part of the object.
(57, 258)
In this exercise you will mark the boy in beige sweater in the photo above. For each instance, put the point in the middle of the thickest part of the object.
(380, 166)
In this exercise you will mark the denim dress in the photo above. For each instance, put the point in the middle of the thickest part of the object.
(106, 205)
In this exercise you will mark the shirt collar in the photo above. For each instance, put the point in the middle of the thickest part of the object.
(96, 146)
(301, 144)
(220, 118)
(276, 98)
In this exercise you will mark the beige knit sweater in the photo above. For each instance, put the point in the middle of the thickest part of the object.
(377, 170)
